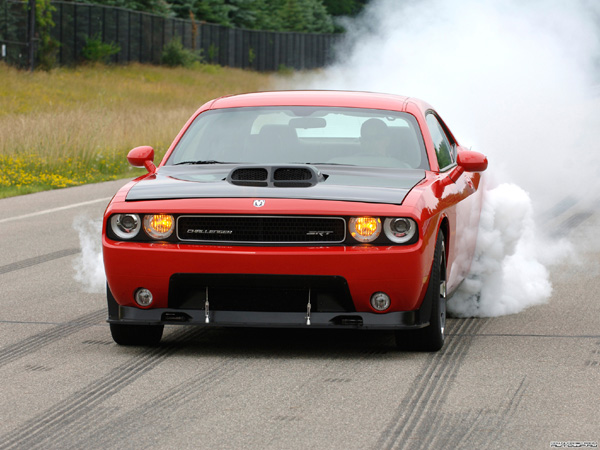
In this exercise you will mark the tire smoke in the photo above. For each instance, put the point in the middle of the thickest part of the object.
(515, 79)
(89, 266)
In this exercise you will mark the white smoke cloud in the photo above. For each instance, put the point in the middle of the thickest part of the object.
(89, 266)
(508, 273)
(515, 80)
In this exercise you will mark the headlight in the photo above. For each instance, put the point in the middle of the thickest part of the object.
(364, 229)
(400, 230)
(159, 226)
(125, 226)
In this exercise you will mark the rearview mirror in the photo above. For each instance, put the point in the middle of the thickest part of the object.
(308, 122)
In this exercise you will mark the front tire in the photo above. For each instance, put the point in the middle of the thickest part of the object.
(136, 334)
(431, 338)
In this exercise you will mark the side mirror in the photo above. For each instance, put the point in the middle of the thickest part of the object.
(142, 157)
(472, 161)
(468, 161)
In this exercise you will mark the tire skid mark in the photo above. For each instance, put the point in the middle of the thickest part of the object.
(183, 394)
(458, 427)
(337, 365)
(38, 260)
(573, 221)
(498, 419)
(466, 429)
(39, 340)
(437, 394)
(459, 430)
(82, 406)
(137, 424)
(418, 410)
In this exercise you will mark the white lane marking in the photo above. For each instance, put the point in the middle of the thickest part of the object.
(49, 211)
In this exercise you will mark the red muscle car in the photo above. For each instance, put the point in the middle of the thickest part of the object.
(296, 209)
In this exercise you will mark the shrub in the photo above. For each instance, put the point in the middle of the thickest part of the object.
(285, 70)
(213, 53)
(174, 54)
(97, 51)
(47, 45)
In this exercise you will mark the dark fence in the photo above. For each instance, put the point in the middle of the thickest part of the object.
(142, 36)
(14, 32)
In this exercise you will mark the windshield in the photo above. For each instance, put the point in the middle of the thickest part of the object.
(303, 135)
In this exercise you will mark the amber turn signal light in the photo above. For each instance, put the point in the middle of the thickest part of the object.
(365, 229)
(159, 226)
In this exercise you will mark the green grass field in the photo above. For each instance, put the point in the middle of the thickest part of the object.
(73, 126)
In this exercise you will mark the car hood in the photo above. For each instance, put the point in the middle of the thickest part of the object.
(345, 183)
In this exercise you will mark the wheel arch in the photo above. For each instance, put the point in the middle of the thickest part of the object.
(425, 309)
(445, 228)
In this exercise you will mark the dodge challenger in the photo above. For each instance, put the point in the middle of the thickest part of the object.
(314, 209)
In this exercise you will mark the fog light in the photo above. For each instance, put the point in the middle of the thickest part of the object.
(380, 301)
(143, 297)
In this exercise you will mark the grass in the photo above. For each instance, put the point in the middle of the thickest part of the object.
(73, 126)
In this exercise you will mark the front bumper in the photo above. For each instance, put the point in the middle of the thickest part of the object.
(166, 316)
(400, 271)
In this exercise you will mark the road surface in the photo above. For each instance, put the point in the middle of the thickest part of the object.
(530, 380)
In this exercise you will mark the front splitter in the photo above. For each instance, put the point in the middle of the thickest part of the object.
(198, 317)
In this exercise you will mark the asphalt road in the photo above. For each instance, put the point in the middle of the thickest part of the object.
(519, 381)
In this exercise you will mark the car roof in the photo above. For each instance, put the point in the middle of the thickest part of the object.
(347, 99)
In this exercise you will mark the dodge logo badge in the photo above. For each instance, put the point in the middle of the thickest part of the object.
(259, 203)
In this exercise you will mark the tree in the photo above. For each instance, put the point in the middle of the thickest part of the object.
(274, 15)
(214, 11)
(182, 8)
(306, 16)
(344, 7)
(159, 7)
(47, 45)
(268, 15)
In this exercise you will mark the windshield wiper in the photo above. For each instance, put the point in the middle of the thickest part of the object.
(208, 161)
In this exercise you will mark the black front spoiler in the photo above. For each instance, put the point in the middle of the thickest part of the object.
(362, 320)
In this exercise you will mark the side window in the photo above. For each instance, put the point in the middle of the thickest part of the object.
(444, 150)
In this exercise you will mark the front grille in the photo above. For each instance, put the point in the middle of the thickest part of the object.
(261, 229)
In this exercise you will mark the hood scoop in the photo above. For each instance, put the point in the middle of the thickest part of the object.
(298, 175)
